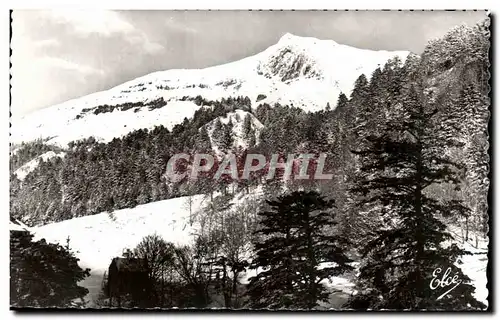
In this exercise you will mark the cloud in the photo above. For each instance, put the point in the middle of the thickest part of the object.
(47, 43)
(42, 81)
(173, 24)
(103, 23)
(63, 54)
(142, 40)
(52, 63)
(85, 22)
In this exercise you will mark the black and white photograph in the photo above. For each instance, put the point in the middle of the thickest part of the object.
(257, 160)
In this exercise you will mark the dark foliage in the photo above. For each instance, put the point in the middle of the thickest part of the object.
(43, 274)
(296, 252)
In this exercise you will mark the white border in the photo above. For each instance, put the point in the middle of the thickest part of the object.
(255, 4)
(192, 4)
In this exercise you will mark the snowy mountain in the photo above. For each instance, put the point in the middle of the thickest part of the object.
(300, 71)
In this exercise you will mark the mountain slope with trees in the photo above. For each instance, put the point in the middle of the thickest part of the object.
(408, 151)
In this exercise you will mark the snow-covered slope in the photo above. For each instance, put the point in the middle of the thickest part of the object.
(305, 72)
(96, 239)
(237, 118)
(16, 225)
(28, 167)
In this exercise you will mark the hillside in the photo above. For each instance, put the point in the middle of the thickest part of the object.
(302, 72)
(32, 165)
(97, 239)
(406, 145)
(243, 128)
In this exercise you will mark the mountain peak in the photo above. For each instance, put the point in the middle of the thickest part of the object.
(289, 38)
(301, 71)
(296, 57)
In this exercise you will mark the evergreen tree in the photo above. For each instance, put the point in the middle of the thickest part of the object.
(247, 127)
(217, 130)
(397, 167)
(203, 143)
(227, 140)
(361, 108)
(355, 124)
(360, 90)
(473, 111)
(43, 274)
(342, 101)
(253, 140)
(294, 252)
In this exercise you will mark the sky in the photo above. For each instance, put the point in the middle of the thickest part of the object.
(61, 55)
